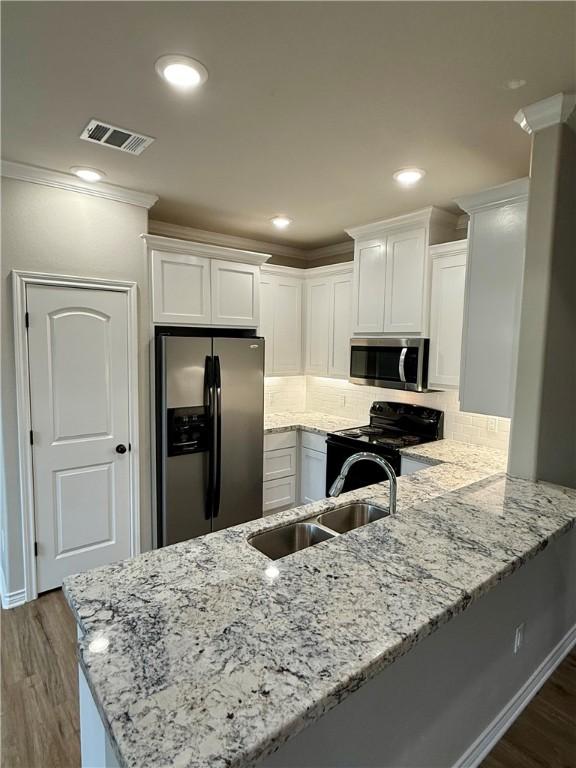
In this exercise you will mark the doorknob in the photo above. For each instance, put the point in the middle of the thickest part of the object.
(120, 448)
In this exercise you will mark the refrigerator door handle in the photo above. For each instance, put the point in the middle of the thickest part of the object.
(218, 436)
(209, 402)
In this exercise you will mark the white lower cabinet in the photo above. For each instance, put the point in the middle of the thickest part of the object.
(294, 469)
(409, 466)
(278, 494)
(280, 471)
(279, 463)
(447, 312)
(312, 475)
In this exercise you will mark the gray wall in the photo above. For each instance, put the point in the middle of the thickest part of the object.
(543, 438)
(428, 707)
(45, 229)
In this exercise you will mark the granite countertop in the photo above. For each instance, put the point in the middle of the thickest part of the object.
(208, 653)
(320, 423)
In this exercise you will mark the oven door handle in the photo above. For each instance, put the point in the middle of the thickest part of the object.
(401, 371)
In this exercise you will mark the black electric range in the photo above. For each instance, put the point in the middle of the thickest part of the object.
(392, 426)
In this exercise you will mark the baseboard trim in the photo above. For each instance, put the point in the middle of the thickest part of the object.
(13, 599)
(498, 727)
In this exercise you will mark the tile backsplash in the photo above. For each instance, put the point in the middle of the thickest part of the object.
(342, 398)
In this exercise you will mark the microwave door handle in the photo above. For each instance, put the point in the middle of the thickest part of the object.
(401, 371)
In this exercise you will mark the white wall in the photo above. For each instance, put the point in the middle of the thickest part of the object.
(342, 398)
(45, 229)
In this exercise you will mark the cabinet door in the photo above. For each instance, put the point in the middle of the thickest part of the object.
(492, 309)
(180, 288)
(235, 294)
(340, 326)
(446, 318)
(317, 326)
(369, 281)
(267, 310)
(312, 475)
(288, 326)
(405, 278)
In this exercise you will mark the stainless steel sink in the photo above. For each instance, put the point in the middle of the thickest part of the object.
(352, 516)
(289, 539)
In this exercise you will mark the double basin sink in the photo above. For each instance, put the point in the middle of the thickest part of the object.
(293, 537)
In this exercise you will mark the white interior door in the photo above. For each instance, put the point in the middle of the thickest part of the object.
(79, 397)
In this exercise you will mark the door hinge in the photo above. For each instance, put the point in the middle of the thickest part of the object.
(35, 549)
(31, 437)
(27, 320)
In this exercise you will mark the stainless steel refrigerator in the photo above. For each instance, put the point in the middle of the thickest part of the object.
(210, 424)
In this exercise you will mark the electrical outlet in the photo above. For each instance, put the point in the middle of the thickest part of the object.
(519, 637)
(492, 424)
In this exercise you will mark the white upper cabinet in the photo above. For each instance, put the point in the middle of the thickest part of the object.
(200, 284)
(369, 279)
(288, 326)
(317, 325)
(328, 320)
(181, 288)
(281, 320)
(496, 245)
(446, 312)
(235, 294)
(392, 272)
(340, 325)
(405, 277)
(266, 329)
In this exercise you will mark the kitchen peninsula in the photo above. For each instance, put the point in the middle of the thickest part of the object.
(208, 653)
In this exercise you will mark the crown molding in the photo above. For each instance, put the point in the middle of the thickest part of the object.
(449, 249)
(49, 178)
(173, 245)
(542, 114)
(511, 192)
(344, 268)
(424, 216)
(228, 241)
(303, 273)
(281, 271)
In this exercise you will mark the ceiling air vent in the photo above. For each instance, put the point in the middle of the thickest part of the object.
(111, 136)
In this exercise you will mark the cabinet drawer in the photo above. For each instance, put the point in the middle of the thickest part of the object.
(314, 441)
(278, 493)
(279, 463)
(280, 440)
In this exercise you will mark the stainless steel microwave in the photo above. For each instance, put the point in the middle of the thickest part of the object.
(390, 363)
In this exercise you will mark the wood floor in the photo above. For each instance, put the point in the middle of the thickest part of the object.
(39, 707)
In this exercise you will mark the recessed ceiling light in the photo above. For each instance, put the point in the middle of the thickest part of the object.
(87, 174)
(281, 221)
(513, 85)
(409, 176)
(181, 71)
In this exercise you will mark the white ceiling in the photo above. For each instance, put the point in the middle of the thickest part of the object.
(308, 109)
